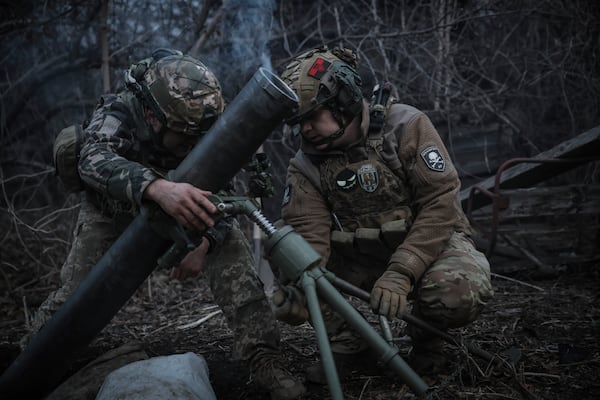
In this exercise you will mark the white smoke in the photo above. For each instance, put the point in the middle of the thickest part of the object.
(247, 28)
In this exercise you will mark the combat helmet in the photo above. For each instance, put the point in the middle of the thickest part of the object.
(323, 77)
(180, 90)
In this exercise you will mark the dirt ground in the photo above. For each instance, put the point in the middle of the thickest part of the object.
(543, 332)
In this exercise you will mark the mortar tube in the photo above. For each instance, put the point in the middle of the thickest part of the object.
(256, 111)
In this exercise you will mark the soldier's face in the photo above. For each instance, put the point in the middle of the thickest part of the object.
(321, 124)
(179, 144)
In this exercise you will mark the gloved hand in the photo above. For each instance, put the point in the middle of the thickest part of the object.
(388, 296)
(290, 305)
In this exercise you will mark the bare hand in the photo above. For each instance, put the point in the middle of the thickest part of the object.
(193, 263)
(184, 202)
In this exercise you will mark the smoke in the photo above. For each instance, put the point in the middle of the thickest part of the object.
(247, 28)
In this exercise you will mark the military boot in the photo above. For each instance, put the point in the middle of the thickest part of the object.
(346, 364)
(268, 371)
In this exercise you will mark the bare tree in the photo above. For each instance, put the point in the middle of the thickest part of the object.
(514, 76)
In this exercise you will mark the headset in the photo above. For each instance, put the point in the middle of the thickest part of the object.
(134, 80)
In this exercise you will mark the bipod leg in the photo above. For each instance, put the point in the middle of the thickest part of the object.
(352, 290)
(387, 352)
(316, 317)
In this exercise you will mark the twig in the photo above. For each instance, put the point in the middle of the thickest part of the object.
(541, 374)
(593, 360)
(517, 281)
(362, 391)
(297, 349)
(149, 286)
(477, 395)
(26, 312)
(200, 321)
(36, 280)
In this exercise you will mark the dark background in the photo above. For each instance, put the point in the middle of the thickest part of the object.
(499, 79)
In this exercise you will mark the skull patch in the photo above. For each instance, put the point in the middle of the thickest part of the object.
(433, 159)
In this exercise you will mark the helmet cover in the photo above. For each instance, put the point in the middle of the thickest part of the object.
(322, 77)
(187, 93)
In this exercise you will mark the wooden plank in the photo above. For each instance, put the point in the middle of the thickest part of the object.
(548, 201)
(584, 147)
(558, 225)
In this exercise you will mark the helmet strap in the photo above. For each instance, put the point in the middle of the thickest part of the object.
(338, 134)
(330, 139)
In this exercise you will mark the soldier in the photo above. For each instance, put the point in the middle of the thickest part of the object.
(374, 191)
(133, 139)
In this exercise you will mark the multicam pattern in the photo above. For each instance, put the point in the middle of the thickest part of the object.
(456, 288)
(185, 90)
(452, 278)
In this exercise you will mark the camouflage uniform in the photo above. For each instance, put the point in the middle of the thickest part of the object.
(119, 159)
(122, 154)
(390, 198)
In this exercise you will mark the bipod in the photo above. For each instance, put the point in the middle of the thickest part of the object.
(298, 262)
(352, 290)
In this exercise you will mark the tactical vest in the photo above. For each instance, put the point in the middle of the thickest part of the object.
(367, 192)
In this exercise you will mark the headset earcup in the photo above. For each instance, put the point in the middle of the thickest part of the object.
(138, 71)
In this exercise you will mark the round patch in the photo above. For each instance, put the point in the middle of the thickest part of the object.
(346, 180)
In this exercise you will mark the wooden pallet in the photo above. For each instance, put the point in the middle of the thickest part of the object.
(531, 220)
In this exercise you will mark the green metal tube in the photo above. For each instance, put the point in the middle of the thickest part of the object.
(411, 319)
(388, 354)
(290, 253)
(316, 317)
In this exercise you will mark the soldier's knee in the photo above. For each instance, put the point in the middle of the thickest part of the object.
(452, 302)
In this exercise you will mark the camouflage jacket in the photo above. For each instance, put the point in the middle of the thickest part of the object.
(120, 157)
(401, 173)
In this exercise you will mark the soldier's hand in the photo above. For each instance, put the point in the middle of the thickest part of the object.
(388, 296)
(184, 202)
(290, 305)
(193, 262)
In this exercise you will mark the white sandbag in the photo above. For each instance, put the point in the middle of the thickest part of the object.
(178, 376)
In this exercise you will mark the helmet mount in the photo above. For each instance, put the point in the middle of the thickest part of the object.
(134, 80)
(323, 77)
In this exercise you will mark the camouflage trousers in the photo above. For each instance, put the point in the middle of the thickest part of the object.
(451, 293)
(236, 288)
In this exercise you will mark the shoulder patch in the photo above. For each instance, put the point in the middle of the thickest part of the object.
(433, 159)
(110, 125)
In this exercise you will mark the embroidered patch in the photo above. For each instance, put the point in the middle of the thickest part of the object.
(368, 177)
(318, 68)
(433, 159)
(346, 180)
(287, 195)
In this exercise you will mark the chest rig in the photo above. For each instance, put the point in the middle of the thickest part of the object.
(367, 192)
